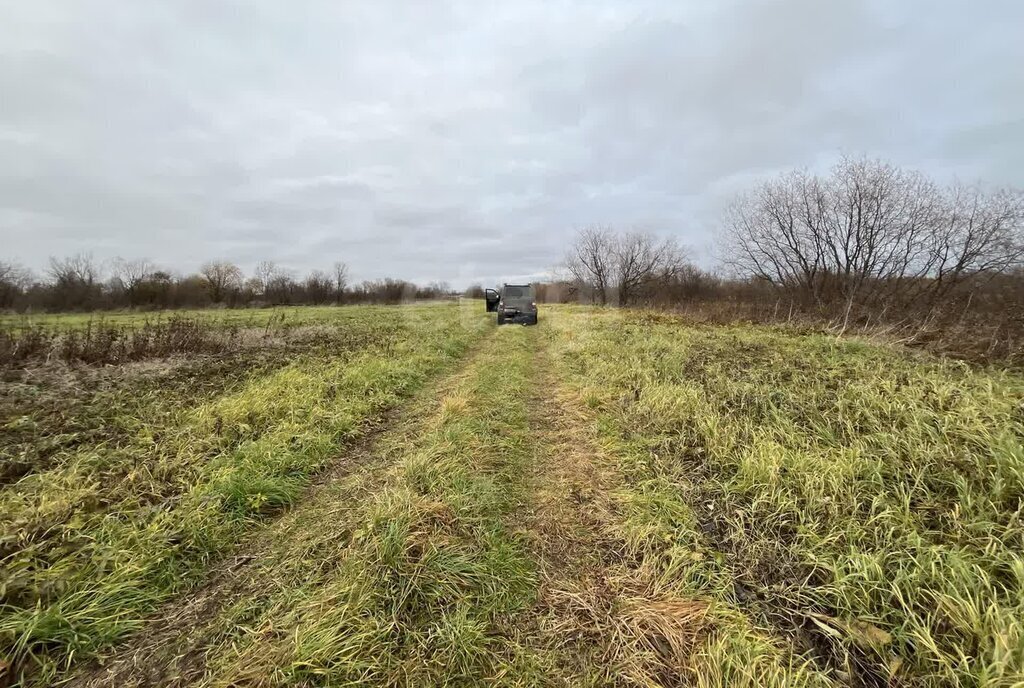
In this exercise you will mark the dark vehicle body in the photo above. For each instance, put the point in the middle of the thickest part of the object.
(514, 303)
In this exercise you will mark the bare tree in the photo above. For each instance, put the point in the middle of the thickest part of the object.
(80, 268)
(387, 290)
(980, 235)
(340, 275)
(276, 284)
(281, 286)
(14, 279)
(221, 278)
(590, 261)
(871, 234)
(434, 290)
(640, 259)
(618, 268)
(264, 274)
(75, 281)
(131, 274)
(15, 274)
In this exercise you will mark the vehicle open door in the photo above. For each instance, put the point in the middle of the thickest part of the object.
(492, 297)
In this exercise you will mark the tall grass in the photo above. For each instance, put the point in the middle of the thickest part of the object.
(860, 504)
(787, 510)
(428, 573)
(94, 542)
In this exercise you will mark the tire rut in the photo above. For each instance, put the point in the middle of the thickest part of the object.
(598, 617)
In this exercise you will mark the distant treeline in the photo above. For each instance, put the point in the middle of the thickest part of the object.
(867, 245)
(81, 283)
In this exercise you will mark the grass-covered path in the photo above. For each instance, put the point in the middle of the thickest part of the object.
(409, 567)
(472, 541)
(178, 462)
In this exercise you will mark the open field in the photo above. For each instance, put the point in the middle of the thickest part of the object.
(278, 316)
(411, 496)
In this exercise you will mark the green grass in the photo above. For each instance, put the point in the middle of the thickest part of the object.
(274, 317)
(429, 571)
(105, 531)
(861, 506)
(778, 508)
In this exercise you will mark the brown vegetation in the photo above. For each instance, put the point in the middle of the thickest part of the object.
(103, 343)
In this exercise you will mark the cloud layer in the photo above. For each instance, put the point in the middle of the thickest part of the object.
(466, 141)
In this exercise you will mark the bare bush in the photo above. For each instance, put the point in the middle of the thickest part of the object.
(642, 263)
(14, 280)
(872, 235)
(131, 275)
(622, 268)
(75, 282)
(386, 290)
(319, 287)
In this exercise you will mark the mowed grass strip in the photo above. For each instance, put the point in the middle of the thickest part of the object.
(92, 545)
(859, 505)
(421, 587)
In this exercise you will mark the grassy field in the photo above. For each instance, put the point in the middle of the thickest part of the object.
(224, 317)
(411, 496)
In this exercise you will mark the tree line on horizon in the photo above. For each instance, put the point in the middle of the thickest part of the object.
(82, 283)
(865, 238)
(866, 242)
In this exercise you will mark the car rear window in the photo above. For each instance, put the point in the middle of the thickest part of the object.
(518, 292)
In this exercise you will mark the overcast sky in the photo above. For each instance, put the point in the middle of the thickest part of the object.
(468, 140)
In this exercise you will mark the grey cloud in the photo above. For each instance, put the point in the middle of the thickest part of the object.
(411, 139)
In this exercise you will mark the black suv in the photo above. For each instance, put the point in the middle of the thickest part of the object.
(515, 303)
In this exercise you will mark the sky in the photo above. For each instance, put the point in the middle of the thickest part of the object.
(469, 141)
